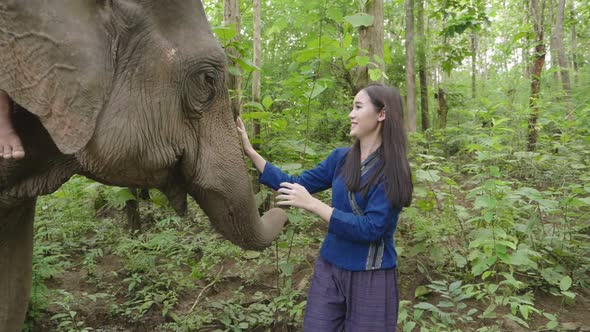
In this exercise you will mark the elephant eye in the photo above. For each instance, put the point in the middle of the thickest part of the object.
(200, 90)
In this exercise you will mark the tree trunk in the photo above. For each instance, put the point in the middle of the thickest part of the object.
(525, 49)
(539, 62)
(256, 75)
(554, 42)
(565, 78)
(442, 108)
(371, 40)
(422, 67)
(231, 17)
(574, 38)
(473, 64)
(410, 72)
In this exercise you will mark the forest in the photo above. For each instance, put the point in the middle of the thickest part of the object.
(497, 110)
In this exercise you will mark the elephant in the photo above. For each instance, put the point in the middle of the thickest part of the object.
(127, 93)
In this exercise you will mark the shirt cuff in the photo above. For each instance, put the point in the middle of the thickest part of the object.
(269, 177)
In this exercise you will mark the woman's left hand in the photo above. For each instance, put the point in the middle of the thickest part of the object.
(293, 194)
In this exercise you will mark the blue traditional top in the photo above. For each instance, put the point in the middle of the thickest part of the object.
(360, 231)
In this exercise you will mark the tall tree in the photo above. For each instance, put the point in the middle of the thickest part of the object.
(572, 10)
(553, 41)
(473, 63)
(371, 40)
(565, 80)
(258, 63)
(410, 72)
(537, 11)
(421, 52)
(231, 17)
(526, 42)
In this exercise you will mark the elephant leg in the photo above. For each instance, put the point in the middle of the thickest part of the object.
(16, 258)
(132, 210)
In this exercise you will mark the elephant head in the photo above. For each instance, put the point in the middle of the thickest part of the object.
(130, 93)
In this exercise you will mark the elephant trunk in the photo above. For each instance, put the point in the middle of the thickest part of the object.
(239, 221)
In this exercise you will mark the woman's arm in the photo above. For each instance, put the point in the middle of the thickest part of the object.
(377, 217)
(314, 180)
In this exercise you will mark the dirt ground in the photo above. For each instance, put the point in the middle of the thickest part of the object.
(573, 317)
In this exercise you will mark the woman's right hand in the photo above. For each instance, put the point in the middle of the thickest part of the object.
(244, 135)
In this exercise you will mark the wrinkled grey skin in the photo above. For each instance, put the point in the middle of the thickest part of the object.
(126, 92)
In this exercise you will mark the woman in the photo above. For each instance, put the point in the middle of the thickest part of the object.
(354, 286)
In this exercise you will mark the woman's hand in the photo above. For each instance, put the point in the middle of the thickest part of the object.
(256, 158)
(244, 136)
(294, 194)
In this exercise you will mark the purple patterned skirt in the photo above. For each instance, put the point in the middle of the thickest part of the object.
(352, 301)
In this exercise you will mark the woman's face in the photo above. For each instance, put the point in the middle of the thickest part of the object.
(364, 120)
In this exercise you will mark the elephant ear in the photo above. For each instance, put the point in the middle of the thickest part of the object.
(53, 71)
(69, 124)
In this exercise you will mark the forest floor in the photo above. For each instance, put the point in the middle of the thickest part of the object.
(227, 279)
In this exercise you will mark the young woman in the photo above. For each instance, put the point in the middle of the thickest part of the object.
(354, 286)
(10, 144)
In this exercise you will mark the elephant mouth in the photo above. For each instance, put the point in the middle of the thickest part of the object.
(175, 191)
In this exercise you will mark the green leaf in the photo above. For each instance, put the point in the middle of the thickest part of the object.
(409, 326)
(256, 115)
(429, 175)
(267, 102)
(375, 74)
(251, 254)
(552, 276)
(286, 268)
(360, 19)
(290, 166)
(421, 291)
(516, 319)
(246, 64)
(455, 285)
(488, 202)
(489, 312)
(317, 90)
(565, 283)
(552, 324)
(459, 260)
(362, 60)
(426, 306)
(234, 71)
(225, 33)
(253, 105)
(446, 304)
(569, 294)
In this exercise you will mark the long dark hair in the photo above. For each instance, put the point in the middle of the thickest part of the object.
(393, 167)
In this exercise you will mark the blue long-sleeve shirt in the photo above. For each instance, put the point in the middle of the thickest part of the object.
(355, 241)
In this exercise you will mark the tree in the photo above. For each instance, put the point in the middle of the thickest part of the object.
(562, 60)
(231, 17)
(473, 64)
(422, 67)
(371, 40)
(574, 37)
(410, 72)
(553, 41)
(257, 62)
(537, 11)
